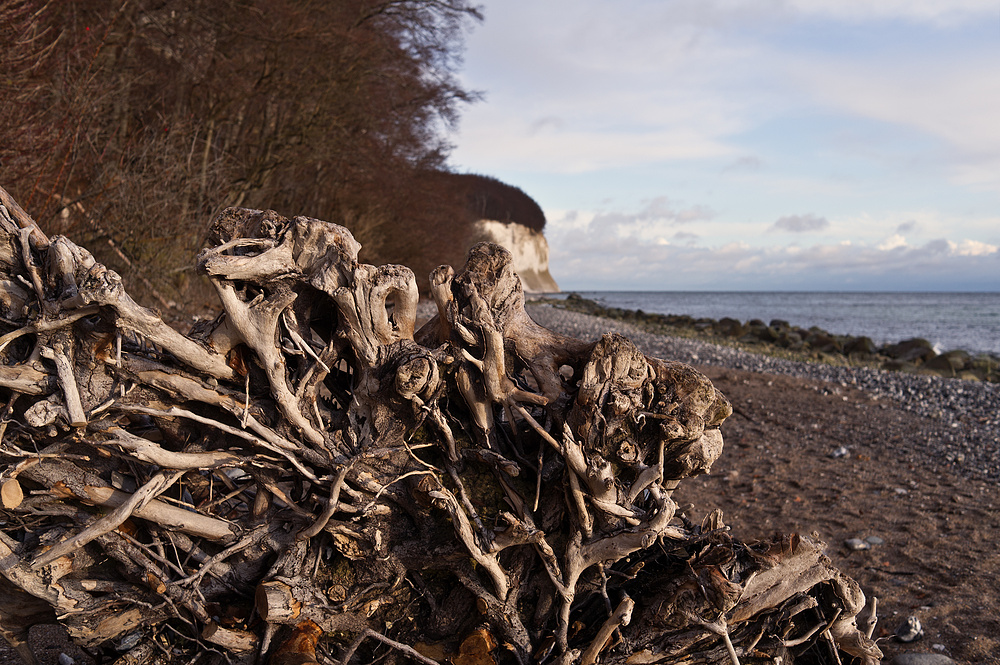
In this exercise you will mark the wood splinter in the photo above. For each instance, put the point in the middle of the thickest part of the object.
(229, 638)
(622, 616)
(67, 381)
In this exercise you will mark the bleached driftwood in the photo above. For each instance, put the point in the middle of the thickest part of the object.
(481, 489)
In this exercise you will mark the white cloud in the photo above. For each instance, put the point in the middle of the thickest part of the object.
(894, 228)
(663, 209)
(974, 248)
(892, 242)
(614, 230)
(511, 143)
(603, 86)
(950, 98)
(747, 163)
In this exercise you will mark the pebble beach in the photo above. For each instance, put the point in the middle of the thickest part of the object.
(962, 417)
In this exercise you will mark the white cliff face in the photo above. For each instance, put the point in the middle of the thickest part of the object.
(530, 250)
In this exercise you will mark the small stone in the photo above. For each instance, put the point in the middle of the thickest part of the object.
(856, 544)
(910, 630)
(841, 452)
(921, 659)
(65, 659)
(874, 541)
(900, 491)
(129, 642)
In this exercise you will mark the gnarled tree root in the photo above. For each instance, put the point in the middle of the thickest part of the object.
(311, 471)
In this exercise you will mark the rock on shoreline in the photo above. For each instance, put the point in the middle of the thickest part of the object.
(915, 355)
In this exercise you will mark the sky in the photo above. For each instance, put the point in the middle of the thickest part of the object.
(835, 145)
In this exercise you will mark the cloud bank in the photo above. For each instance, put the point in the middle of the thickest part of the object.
(608, 251)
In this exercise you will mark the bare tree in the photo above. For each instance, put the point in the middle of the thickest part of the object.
(132, 122)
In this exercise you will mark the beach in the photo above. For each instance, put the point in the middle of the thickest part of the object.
(908, 462)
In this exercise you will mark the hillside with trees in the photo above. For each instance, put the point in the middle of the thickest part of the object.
(127, 126)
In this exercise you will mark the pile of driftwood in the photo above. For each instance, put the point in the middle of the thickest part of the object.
(309, 479)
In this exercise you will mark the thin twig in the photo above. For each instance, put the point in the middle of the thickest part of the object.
(47, 325)
(817, 628)
(383, 488)
(872, 619)
(720, 628)
(301, 343)
(235, 431)
(71, 392)
(243, 543)
(368, 632)
(331, 506)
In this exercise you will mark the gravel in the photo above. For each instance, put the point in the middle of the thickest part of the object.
(965, 414)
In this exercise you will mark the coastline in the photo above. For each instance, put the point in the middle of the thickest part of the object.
(914, 354)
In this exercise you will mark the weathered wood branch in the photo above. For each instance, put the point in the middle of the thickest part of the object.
(480, 490)
(64, 479)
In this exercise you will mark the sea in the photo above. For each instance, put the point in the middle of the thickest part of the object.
(968, 321)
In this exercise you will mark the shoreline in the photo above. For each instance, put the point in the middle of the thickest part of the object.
(961, 418)
(914, 355)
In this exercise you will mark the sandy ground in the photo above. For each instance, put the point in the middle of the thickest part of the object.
(939, 560)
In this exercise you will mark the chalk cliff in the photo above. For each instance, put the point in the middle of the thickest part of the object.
(530, 250)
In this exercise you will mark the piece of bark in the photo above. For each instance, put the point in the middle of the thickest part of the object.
(11, 493)
(300, 647)
(279, 602)
(26, 379)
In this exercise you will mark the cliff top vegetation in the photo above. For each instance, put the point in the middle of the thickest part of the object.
(488, 198)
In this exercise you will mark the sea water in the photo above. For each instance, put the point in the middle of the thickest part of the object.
(969, 321)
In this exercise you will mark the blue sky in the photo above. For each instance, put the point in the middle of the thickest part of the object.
(747, 144)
